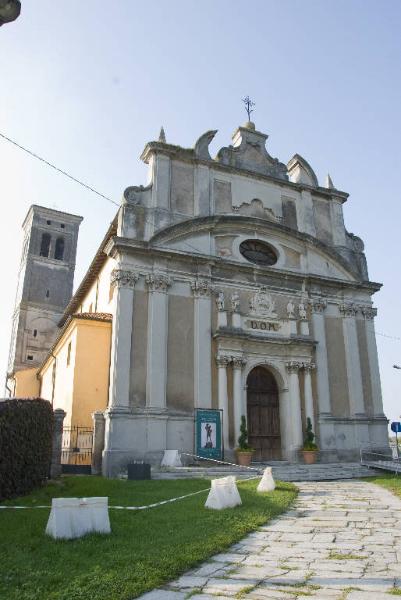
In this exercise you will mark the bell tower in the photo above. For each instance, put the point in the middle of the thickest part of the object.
(45, 283)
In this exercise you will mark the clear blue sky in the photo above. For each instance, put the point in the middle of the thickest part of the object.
(87, 84)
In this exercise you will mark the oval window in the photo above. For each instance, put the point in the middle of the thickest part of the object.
(258, 252)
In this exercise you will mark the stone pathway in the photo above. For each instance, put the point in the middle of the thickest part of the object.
(342, 541)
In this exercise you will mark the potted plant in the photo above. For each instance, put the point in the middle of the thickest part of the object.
(244, 451)
(310, 448)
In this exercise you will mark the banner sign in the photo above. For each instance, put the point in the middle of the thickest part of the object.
(208, 429)
(396, 427)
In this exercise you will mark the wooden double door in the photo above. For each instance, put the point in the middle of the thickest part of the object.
(263, 415)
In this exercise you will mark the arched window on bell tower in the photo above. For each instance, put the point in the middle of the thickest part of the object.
(45, 245)
(59, 251)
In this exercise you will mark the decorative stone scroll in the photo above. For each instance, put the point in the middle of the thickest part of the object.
(123, 278)
(158, 282)
(348, 310)
(318, 305)
(238, 362)
(368, 312)
(220, 301)
(201, 288)
(235, 302)
(223, 360)
(223, 494)
(262, 304)
(293, 366)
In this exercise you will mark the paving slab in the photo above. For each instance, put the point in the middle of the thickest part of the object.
(341, 541)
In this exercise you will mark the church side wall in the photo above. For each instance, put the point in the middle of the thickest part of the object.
(27, 385)
(99, 296)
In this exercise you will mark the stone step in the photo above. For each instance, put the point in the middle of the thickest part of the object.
(288, 472)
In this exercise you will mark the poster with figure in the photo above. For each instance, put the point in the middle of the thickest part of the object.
(208, 429)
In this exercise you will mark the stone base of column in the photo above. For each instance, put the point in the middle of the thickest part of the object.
(143, 436)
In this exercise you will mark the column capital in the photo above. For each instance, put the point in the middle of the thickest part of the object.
(348, 309)
(369, 312)
(308, 366)
(223, 360)
(157, 282)
(318, 305)
(293, 366)
(123, 278)
(238, 362)
(201, 288)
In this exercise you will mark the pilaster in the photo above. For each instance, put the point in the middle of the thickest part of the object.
(348, 312)
(318, 306)
(292, 368)
(201, 290)
(156, 378)
(369, 313)
(123, 282)
(223, 361)
(239, 363)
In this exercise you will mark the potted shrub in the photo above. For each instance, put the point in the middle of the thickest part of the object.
(310, 448)
(244, 451)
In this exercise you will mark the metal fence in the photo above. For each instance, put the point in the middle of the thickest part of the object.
(76, 447)
(381, 458)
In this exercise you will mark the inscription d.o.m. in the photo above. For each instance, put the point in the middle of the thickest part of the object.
(264, 325)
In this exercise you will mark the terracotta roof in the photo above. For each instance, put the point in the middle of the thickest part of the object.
(90, 276)
(93, 316)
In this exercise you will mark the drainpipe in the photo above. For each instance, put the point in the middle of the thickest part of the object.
(53, 376)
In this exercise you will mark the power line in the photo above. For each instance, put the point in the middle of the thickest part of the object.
(91, 189)
(49, 164)
(85, 185)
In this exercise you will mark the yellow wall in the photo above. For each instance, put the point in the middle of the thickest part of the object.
(27, 385)
(92, 366)
(81, 384)
(98, 297)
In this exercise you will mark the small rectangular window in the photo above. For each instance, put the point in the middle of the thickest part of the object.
(47, 293)
(35, 332)
(49, 222)
(62, 225)
(30, 357)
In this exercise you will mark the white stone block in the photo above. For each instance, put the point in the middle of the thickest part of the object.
(171, 458)
(74, 517)
(223, 494)
(267, 483)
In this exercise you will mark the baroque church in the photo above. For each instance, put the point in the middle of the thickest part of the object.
(228, 283)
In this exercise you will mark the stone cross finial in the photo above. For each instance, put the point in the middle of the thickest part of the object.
(162, 135)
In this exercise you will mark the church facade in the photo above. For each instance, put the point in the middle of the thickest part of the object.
(227, 283)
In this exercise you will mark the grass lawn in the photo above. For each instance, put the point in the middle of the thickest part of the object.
(145, 549)
(389, 481)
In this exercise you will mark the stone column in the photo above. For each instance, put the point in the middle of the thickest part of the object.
(222, 362)
(369, 313)
(55, 466)
(309, 408)
(318, 306)
(295, 405)
(202, 343)
(239, 409)
(352, 357)
(156, 379)
(98, 442)
(120, 362)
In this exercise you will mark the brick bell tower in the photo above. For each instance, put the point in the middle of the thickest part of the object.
(45, 283)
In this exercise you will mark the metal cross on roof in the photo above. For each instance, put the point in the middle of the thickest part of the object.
(248, 106)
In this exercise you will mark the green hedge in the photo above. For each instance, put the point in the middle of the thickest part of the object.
(26, 430)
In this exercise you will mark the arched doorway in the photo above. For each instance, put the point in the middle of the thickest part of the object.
(263, 414)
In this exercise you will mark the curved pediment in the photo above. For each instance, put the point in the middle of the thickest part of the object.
(221, 236)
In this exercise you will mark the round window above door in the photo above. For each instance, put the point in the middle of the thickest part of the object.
(258, 252)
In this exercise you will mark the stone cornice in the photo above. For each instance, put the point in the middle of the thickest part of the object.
(126, 245)
(234, 333)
